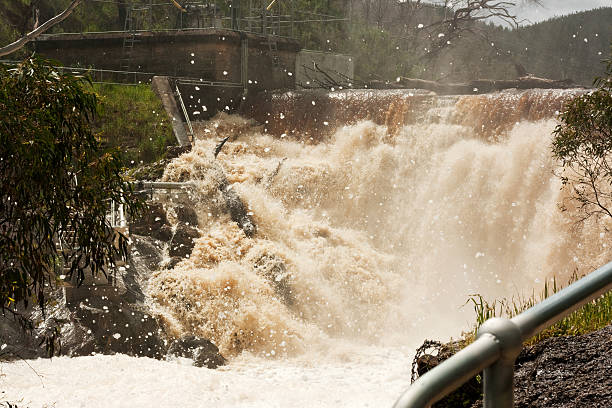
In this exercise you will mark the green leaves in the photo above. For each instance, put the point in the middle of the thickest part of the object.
(583, 144)
(57, 186)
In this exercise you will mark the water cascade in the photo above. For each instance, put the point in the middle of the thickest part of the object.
(378, 213)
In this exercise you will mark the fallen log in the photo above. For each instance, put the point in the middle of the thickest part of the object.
(478, 86)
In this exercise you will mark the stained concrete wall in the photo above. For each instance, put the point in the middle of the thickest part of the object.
(210, 54)
(330, 63)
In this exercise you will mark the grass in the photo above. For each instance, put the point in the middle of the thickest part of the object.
(590, 317)
(132, 118)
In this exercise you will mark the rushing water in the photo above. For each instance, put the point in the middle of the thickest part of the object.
(378, 214)
(382, 232)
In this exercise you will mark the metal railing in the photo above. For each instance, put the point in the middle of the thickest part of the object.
(498, 344)
(184, 109)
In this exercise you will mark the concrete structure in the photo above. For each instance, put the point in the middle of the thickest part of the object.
(212, 69)
(162, 87)
(207, 53)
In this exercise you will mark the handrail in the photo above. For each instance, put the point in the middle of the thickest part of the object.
(162, 185)
(497, 345)
(180, 98)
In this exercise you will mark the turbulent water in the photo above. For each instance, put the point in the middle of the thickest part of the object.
(377, 214)
(382, 232)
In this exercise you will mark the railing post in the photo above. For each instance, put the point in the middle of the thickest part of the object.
(499, 377)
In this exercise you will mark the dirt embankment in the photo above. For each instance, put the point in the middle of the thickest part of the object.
(564, 372)
(559, 372)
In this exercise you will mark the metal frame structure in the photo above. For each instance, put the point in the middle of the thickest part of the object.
(498, 344)
(268, 17)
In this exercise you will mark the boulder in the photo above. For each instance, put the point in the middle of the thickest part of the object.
(237, 210)
(172, 262)
(153, 222)
(102, 322)
(183, 240)
(203, 352)
(173, 152)
(274, 270)
(186, 215)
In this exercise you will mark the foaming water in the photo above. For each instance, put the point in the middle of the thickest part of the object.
(375, 234)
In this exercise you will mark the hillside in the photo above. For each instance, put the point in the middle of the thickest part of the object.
(564, 47)
(385, 41)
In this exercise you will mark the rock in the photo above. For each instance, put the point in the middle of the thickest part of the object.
(186, 215)
(18, 342)
(152, 222)
(105, 323)
(274, 270)
(148, 172)
(183, 240)
(173, 152)
(164, 233)
(172, 262)
(237, 210)
(201, 351)
(89, 319)
(146, 251)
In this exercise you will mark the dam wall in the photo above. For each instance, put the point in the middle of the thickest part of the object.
(206, 54)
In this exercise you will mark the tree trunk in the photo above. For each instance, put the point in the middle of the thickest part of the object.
(478, 86)
(20, 43)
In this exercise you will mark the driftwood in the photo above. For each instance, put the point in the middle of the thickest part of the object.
(319, 78)
(476, 86)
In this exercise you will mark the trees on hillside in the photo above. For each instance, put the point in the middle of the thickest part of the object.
(405, 38)
(583, 144)
(57, 184)
(39, 29)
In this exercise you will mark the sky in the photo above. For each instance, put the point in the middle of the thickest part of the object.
(552, 8)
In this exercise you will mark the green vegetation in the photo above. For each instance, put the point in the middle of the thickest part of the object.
(387, 39)
(133, 119)
(592, 316)
(57, 184)
(583, 145)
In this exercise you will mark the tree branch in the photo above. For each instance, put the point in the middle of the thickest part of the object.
(9, 49)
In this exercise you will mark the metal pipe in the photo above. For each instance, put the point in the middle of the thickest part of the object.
(507, 336)
(562, 303)
(180, 98)
(498, 378)
(451, 374)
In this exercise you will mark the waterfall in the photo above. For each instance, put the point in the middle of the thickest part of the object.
(378, 213)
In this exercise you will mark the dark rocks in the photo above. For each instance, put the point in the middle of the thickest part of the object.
(105, 323)
(186, 215)
(274, 270)
(148, 172)
(173, 262)
(146, 252)
(237, 210)
(86, 320)
(183, 240)
(153, 222)
(203, 352)
(173, 152)
(164, 233)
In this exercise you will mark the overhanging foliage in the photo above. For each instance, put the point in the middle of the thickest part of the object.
(56, 183)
